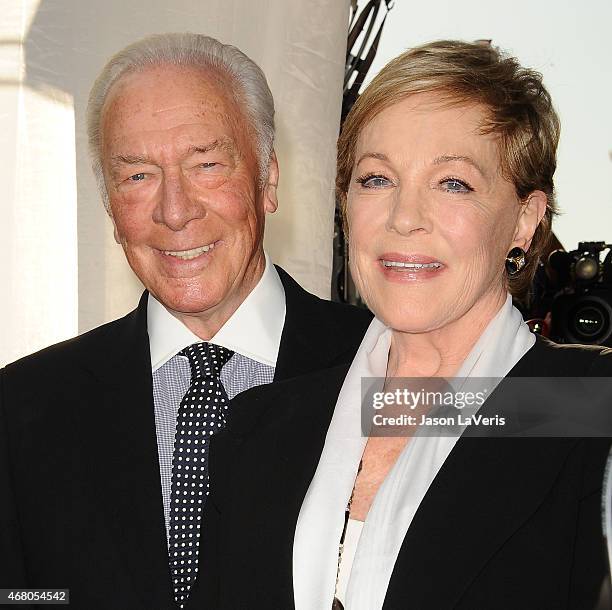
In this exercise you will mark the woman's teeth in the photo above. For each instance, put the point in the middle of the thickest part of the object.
(189, 254)
(411, 265)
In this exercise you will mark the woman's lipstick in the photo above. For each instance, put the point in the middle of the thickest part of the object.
(409, 267)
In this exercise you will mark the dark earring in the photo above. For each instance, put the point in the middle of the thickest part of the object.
(515, 261)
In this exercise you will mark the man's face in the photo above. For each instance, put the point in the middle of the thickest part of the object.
(182, 181)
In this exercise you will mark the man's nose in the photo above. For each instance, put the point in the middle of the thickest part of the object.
(178, 204)
(409, 211)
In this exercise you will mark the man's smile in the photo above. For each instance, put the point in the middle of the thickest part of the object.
(189, 254)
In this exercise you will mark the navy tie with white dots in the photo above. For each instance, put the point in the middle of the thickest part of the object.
(201, 413)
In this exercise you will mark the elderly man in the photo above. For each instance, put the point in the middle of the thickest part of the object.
(105, 440)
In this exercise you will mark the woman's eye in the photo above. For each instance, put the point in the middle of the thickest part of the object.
(137, 177)
(373, 182)
(453, 185)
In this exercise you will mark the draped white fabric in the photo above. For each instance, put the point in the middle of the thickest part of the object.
(503, 343)
(61, 271)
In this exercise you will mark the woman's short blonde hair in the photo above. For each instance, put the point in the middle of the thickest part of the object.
(519, 111)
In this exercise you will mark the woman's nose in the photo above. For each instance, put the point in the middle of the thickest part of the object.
(408, 211)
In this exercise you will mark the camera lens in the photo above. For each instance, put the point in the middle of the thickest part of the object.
(586, 268)
(588, 321)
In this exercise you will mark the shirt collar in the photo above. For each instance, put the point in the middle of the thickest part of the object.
(254, 330)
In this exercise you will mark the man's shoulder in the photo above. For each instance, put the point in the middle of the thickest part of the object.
(343, 313)
(71, 352)
(317, 334)
(312, 306)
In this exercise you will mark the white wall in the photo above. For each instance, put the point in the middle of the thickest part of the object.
(571, 44)
(61, 270)
(38, 225)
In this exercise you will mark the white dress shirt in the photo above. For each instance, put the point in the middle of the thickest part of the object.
(253, 333)
(315, 554)
(254, 330)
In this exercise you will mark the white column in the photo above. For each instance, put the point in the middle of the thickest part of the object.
(38, 248)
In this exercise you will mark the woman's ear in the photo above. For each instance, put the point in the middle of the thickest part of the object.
(530, 216)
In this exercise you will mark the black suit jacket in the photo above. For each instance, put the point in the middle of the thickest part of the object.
(80, 494)
(508, 523)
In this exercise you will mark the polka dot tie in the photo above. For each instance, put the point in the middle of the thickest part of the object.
(201, 413)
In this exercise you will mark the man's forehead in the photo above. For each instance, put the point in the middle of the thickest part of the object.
(202, 106)
(164, 103)
(167, 88)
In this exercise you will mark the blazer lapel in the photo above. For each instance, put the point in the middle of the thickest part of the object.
(125, 458)
(485, 490)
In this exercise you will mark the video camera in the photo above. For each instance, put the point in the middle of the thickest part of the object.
(581, 309)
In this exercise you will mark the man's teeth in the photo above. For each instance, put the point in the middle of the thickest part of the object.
(411, 265)
(188, 254)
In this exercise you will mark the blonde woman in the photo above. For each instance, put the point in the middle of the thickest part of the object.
(445, 173)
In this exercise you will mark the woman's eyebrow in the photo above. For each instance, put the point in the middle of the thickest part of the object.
(449, 158)
(372, 155)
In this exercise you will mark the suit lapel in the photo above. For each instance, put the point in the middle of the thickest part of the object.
(485, 490)
(312, 337)
(297, 352)
(126, 458)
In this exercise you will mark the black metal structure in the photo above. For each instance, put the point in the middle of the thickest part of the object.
(362, 45)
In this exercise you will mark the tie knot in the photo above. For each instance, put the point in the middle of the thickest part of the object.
(206, 359)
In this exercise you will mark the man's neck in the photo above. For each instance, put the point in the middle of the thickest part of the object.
(207, 324)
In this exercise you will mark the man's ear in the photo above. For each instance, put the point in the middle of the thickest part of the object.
(109, 211)
(270, 188)
(115, 232)
(530, 216)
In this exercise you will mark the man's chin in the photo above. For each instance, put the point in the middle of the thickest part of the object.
(186, 304)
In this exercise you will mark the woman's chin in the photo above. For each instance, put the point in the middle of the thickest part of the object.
(409, 319)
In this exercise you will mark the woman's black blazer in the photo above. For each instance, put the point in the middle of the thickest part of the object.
(510, 523)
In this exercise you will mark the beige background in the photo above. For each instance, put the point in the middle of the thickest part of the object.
(61, 271)
(569, 43)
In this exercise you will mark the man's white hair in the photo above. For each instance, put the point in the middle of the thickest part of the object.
(249, 87)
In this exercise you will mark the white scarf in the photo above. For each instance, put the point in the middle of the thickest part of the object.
(321, 520)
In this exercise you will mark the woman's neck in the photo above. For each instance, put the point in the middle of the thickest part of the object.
(440, 352)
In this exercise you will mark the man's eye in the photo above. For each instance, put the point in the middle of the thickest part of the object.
(137, 177)
(208, 165)
(454, 185)
(373, 181)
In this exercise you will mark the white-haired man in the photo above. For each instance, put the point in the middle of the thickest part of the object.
(105, 440)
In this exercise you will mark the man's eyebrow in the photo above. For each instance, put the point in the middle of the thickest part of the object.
(372, 155)
(130, 160)
(221, 144)
(448, 158)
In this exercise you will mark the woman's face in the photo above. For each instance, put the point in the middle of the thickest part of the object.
(430, 216)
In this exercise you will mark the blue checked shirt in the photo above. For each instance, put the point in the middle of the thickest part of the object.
(170, 383)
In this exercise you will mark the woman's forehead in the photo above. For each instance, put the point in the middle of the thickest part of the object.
(424, 125)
